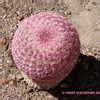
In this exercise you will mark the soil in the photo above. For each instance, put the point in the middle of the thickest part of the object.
(85, 15)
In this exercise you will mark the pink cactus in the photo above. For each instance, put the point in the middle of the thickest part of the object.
(45, 47)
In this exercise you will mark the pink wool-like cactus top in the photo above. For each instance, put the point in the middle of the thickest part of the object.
(45, 47)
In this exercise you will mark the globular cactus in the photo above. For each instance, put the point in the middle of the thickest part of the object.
(46, 48)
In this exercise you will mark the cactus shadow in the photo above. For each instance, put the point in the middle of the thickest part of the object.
(84, 77)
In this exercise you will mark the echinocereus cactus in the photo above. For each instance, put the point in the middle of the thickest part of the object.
(45, 47)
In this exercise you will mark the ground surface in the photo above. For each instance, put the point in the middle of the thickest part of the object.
(85, 15)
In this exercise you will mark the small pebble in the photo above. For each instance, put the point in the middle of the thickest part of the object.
(2, 40)
(9, 62)
(19, 77)
(2, 81)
